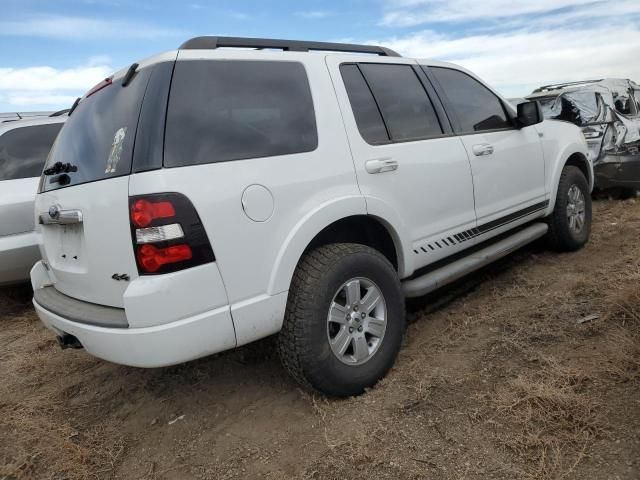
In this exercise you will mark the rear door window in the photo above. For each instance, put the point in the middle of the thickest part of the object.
(223, 110)
(403, 101)
(475, 108)
(99, 135)
(363, 105)
(24, 150)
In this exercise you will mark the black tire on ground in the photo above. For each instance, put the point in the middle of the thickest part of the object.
(561, 236)
(303, 342)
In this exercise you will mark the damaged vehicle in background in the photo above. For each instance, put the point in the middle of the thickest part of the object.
(608, 111)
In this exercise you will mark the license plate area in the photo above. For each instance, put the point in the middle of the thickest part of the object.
(65, 247)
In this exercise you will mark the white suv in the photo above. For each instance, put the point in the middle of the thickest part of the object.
(208, 197)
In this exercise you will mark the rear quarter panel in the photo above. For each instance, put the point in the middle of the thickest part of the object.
(309, 190)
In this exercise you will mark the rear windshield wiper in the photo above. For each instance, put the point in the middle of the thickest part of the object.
(129, 75)
(73, 107)
(60, 167)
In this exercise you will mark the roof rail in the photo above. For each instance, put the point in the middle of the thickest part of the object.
(209, 43)
(555, 86)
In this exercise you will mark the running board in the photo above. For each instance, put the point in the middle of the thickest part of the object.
(435, 279)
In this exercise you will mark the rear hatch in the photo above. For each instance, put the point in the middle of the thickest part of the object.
(82, 206)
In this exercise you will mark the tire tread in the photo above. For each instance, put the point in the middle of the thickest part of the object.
(307, 276)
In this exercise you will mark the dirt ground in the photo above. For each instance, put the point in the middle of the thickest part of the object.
(528, 369)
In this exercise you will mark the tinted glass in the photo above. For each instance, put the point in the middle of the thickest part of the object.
(474, 106)
(98, 137)
(229, 110)
(149, 146)
(406, 108)
(364, 106)
(24, 150)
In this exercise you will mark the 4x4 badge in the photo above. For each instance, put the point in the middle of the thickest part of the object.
(120, 276)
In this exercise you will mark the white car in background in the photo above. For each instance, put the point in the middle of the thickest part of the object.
(24, 146)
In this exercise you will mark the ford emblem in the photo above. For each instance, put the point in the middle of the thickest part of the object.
(54, 211)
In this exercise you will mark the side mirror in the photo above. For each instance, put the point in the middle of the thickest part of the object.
(529, 113)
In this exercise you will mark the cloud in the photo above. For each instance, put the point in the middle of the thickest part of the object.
(519, 45)
(48, 87)
(518, 61)
(69, 27)
(314, 14)
(406, 13)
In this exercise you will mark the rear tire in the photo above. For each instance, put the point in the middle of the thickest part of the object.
(336, 337)
(570, 222)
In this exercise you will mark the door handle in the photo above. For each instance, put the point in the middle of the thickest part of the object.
(380, 165)
(55, 216)
(482, 149)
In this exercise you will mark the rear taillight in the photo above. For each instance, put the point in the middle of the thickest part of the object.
(153, 258)
(143, 212)
(167, 234)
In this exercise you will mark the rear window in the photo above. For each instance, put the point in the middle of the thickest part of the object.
(24, 150)
(223, 110)
(98, 137)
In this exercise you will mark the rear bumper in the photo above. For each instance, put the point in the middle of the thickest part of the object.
(18, 253)
(618, 171)
(109, 333)
(149, 347)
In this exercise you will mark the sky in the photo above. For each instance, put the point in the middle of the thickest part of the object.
(53, 51)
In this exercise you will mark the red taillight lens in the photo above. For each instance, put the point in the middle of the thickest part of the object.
(167, 234)
(143, 212)
(152, 258)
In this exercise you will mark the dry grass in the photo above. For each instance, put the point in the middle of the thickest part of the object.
(550, 415)
(548, 419)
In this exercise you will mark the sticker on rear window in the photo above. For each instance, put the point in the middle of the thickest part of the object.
(116, 150)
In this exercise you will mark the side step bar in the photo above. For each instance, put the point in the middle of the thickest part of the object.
(435, 279)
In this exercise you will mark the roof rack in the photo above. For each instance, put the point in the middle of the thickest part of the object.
(209, 43)
(555, 86)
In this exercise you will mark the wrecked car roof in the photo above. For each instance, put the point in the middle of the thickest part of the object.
(613, 85)
(586, 102)
(607, 109)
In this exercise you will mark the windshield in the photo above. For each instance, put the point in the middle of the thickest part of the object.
(96, 142)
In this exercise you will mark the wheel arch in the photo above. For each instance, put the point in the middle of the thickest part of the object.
(343, 220)
(571, 158)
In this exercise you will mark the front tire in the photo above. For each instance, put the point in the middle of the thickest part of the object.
(570, 222)
(345, 319)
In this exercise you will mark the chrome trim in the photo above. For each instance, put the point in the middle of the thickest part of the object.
(61, 217)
